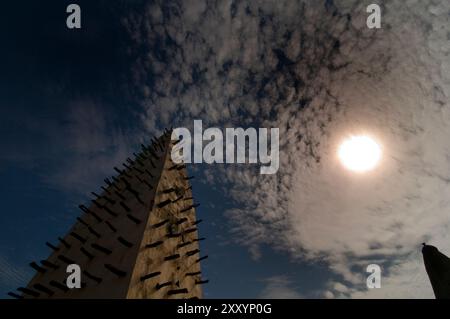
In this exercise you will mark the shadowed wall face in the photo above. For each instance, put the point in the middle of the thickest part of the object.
(438, 269)
(138, 239)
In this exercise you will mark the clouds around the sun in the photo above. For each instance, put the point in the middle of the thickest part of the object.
(313, 69)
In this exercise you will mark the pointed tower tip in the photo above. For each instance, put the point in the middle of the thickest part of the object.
(427, 249)
(437, 266)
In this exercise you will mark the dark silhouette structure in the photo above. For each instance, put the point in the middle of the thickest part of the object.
(437, 266)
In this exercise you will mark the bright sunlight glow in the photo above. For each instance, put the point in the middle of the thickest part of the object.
(359, 153)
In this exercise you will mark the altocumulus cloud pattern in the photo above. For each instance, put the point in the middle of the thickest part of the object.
(313, 69)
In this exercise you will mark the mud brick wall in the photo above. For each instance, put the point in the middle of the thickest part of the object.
(137, 239)
(169, 254)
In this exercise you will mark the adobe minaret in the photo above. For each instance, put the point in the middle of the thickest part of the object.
(138, 238)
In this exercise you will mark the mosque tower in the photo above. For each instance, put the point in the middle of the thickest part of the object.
(137, 239)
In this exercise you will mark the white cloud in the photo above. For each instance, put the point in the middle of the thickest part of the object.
(316, 72)
(74, 152)
(279, 287)
(94, 146)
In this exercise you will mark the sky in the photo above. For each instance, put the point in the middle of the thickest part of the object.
(75, 103)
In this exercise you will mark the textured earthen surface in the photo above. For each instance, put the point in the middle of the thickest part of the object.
(138, 239)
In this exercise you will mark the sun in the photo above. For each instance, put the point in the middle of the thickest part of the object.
(359, 153)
